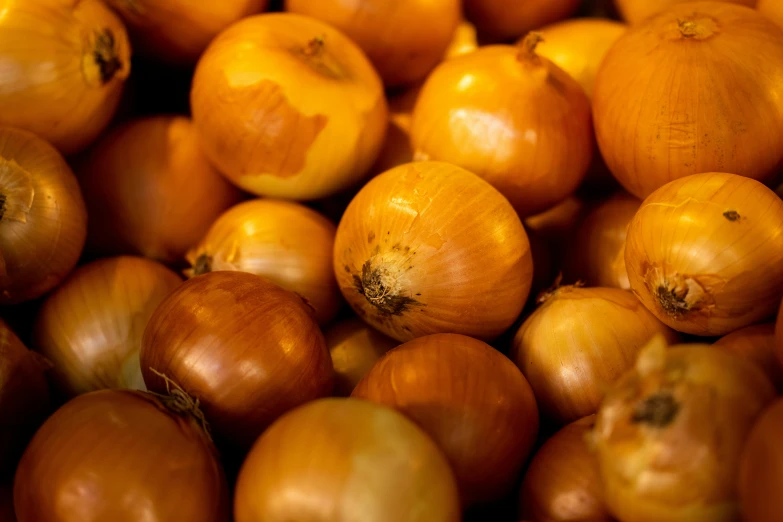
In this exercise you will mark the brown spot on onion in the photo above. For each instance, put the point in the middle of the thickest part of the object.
(658, 410)
(732, 215)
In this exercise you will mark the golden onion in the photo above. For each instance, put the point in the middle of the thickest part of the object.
(635, 11)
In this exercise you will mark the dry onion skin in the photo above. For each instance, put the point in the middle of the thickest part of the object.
(345, 459)
(428, 247)
(150, 190)
(705, 253)
(669, 433)
(686, 92)
(500, 20)
(123, 456)
(761, 468)
(473, 402)
(512, 117)
(286, 242)
(577, 343)
(287, 106)
(91, 326)
(772, 9)
(43, 220)
(756, 343)
(64, 67)
(635, 11)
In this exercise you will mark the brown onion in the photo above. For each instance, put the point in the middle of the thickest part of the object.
(772, 9)
(761, 468)
(635, 11)
(503, 20)
(756, 343)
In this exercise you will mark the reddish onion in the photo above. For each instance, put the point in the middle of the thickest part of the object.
(756, 343)
(761, 468)
(635, 11)
(503, 20)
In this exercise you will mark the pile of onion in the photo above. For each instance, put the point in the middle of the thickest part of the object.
(635, 11)
(772, 9)
(761, 468)
(705, 253)
(288, 106)
(498, 20)
(757, 343)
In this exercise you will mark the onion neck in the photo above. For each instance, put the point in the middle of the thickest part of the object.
(316, 55)
(696, 27)
(177, 401)
(526, 49)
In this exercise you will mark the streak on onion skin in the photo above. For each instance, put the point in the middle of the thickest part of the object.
(756, 343)
(761, 469)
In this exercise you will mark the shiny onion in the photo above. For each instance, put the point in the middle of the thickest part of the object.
(43, 221)
(705, 253)
(179, 30)
(345, 459)
(562, 483)
(772, 9)
(756, 343)
(288, 106)
(510, 116)
(498, 20)
(578, 342)
(90, 327)
(404, 41)
(670, 432)
(465, 40)
(245, 348)
(467, 396)
(286, 242)
(64, 66)
(761, 468)
(150, 190)
(428, 247)
(661, 114)
(355, 347)
(124, 456)
(635, 11)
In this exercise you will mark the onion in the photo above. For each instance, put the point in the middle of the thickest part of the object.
(288, 106)
(90, 327)
(397, 148)
(579, 341)
(150, 190)
(761, 468)
(779, 334)
(464, 40)
(179, 30)
(64, 65)
(705, 253)
(669, 434)
(756, 343)
(345, 459)
(43, 222)
(246, 349)
(687, 92)
(286, 242)
(124, 456)
(469, 398)
(635, 11)
(562, 483)
(772, 9)
(510, 116)
(355, 347)
(428, 248)
(502, 20)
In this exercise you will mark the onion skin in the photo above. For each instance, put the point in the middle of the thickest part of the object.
(498, 20)
(469, 398)
(705, 253)
(636, 11)
(120, 455)
(648, 89)
(65, 79)
(428, 247)
(756, 343)
(772, 10)
(286, 242)
(761, 468)
(91, 326)
(247, 349)
(345, 459)
(288, 107)
(43, 221)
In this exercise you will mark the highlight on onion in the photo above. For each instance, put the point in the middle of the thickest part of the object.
(286, 242)
(123, 456)
(635, 11)
(705, 253)
(498, 20)
(772, 9)
(150, 190)
(761, 468)
(649, 87)
(577, 343)
(245, 348)
(510, 116)
(287, 106)
(428, 247)
(64, 66)
(43, 221)
(670, 433)
(756, 343)
(348, 457)
(91, 326)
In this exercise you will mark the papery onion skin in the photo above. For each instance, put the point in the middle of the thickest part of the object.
(636, 11)
(247, 349)
(756, 343)
(120, 455)
(578, 342)
(286, 242)
(428, 247)
(761, 468)
(91, 326)
(649, 87)
(772, 9)
(705, 253)
(498, 20)
(345, 459)
(64, 67)
(43, 220)
(288, 107)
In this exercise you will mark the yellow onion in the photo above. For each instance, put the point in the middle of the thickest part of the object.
(772, 9)
(465, 40)
(688, 91)
(756, 343)
(428, 247)
(670, 433)
(64, 65)
(635, 11)
(396, 149)
(761, 468)
(503, 20)
(705, 253)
